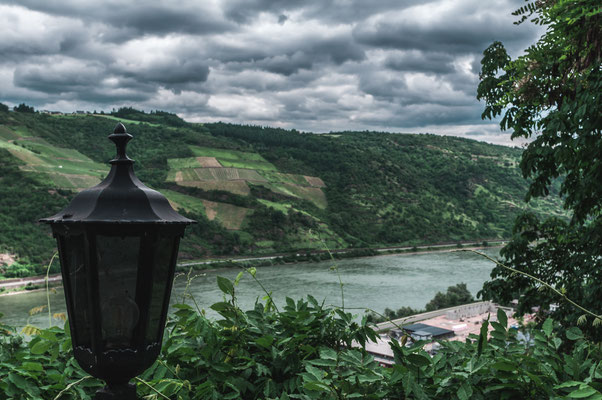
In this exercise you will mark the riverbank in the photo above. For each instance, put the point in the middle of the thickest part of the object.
(29, 284)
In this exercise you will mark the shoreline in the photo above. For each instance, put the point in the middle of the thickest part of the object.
(293, 258)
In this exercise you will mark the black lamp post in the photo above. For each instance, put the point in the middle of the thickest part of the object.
(118, 245)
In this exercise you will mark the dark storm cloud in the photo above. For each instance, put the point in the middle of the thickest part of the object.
(311, 65)
(418, 61)
(134, 18)
(347, 12)
(336, 51)
(456, 33)
(173, 74)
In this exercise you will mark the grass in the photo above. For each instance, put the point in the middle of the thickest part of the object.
(64, 168)
(283, 207)
(229, 216)
(183, 163)
(123, 120)
(314, 195)
(228, 174)
(226, 154)
(273, 176)
(247, 164)
(236, 187)
(185, 202)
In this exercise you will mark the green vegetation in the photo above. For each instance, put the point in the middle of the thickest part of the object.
(23, 198)
(308, 351)
(385, 188)
(553, 95)
(352, 190)
(24, 108)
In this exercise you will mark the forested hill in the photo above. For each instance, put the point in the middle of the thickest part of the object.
(260, 190)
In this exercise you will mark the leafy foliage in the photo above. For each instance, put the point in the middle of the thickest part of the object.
(552, 94)
(308, 351)
(24, 108)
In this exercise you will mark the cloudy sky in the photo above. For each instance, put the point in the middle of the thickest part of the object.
(313, 65)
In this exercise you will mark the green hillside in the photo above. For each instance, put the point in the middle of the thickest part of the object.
(259, 190)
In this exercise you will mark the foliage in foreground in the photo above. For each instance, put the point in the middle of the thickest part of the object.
(308, 351)
(552, 95)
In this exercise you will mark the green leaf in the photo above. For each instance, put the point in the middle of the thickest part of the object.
(316, 372)
(502, 318)
(238, 277)
(328, 353)
(225, 285)
(464, 392)
(316, 386)
(583, 392)
(40, 347)
(574, 333)
(221, 306)
(418, 359)
(32, 366)
(504, 366)
(265, 341)
(323, 363)
(482, 343)
(548, 326)
(568, 384)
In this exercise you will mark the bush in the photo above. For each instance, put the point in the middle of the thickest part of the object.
(24, 108)
(308, 351)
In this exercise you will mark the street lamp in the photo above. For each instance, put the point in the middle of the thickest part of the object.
(118, 244)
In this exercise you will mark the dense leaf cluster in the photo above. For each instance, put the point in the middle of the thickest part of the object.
(308, 351)
(553, 95)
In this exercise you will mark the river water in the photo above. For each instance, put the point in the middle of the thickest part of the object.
(378, 282)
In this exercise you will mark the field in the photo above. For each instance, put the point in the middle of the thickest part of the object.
(228, 174)
(226, 154)
(228, 215)
(180, 201)
(124, 120)
(63, 168)
(230, 170)
(248, 164)
(314, 195)
(236, 187)
(278, 177)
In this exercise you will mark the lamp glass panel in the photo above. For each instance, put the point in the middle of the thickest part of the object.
(77, 277)
(162, 259)
(117, 261)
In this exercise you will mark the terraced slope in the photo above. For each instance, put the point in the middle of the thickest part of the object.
(236, 171)
(62, 168)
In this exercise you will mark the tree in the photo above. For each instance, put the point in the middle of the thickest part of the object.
(552, 95)
(3, 107)
(24, 108)
(455, 296)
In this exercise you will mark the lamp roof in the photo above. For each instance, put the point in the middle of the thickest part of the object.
(120, 198)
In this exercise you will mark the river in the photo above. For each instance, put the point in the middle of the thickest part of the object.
(377, 282)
